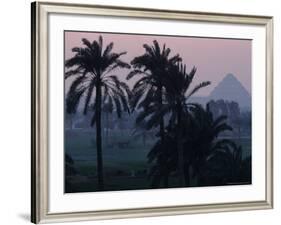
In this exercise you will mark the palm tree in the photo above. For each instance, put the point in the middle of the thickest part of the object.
(178, 88)
(107, 108)
(234, 116)
(228, 166)
(158, 170)
(148, 91)
(200, 141)
(92, 67)
(203, 141)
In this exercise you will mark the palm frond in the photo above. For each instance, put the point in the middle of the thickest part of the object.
(117, 106)
(89, 96)
(148, 49)
(197, 88)
(100, 41)
(189, 78)
(87, 43)
(156, 47)
(73, 72)
(219, 120)
(93, 120)
(221, 128)
(108, 49)
(73, 99)
(166, 52)
(175, 59)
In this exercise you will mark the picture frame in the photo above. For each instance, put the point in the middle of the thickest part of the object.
(42, 191)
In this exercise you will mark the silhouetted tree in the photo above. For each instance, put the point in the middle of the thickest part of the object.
(202, 140)
(166, 149)
(230, 109)
(148, 92)
(214, 108)
(92, 67)
(246, 122)
(227, 166)
(178, 88)
(234, 115)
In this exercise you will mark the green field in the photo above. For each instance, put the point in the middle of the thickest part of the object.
(124, 157)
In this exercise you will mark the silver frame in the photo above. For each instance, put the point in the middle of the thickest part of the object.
(39, 167)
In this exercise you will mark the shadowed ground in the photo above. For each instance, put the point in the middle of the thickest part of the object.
(125, 161)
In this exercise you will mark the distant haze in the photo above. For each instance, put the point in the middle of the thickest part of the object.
(214, 58)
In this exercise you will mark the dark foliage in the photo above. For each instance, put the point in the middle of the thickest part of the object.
(208, 159)
(92, 67)
(148, 93)
(189, 144)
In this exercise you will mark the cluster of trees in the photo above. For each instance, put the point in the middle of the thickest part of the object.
(239, 120)
(222, 107)
(187, 143)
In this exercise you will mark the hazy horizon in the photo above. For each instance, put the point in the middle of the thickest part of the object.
(214, 58)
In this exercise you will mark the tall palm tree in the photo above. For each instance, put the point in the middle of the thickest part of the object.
(203, 141)
(148, 91)
(92, 68)
(178, 88)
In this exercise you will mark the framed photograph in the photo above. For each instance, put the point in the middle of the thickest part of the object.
(147, 112)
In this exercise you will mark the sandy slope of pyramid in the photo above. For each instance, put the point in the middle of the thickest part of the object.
(232, 90)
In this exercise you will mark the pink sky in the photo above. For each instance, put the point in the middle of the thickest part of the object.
(213, 57)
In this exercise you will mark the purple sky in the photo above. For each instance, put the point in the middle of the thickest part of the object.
(214, 58)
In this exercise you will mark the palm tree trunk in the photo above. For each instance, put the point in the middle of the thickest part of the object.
(165, 155)
(160, 102)
(107, 127)
(180, 149)
(98, 138)
(162, 136)
(181, 163)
